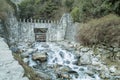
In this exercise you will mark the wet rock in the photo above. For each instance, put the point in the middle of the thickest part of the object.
(42, 57)
(65, 69)
(31, 62)
(14, 49)
(104, 72)
(69, 49)
(43, 75)
(45, 46)
(95, 62)
(25, 60)
(25, 55)
(112, 69)
(75, 62)
(116, 49)
(72, 72)
(90, 73)
(102, 76)
(59, 79)
(67, 62)
(28, 52)
(117, 56)
(65, 75)
(115, 78)
(85, 49)
(77, 45)
(61, 54)
(71, 46)
(85, 59)
(81, 69)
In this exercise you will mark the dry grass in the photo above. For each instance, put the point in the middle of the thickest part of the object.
(28, 70)
(105, 30)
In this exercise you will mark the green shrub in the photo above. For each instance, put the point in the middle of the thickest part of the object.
(96, 8)
(75, 14)
(105, 30)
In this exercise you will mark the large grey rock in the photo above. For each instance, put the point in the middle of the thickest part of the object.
(85, 59)
(112, 69)
(10, 69)
(85, 49)
(40, 56)
(28, 52)
(64, 75)
(43, 75)
(45, 45)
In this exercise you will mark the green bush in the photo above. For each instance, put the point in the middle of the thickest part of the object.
(75, 13)
(96, 8)
(105, 30)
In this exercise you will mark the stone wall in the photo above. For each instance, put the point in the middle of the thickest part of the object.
(56, 29)
(71, 29)
(26, 30)
(23, 30)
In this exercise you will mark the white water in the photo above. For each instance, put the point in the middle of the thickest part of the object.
(31, 62)
(65, 58)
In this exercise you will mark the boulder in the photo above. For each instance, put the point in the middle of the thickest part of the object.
(85, 59)
(25, 55)
(42, 57)
(45, 46)
(65, 75)
(65, 69)
(117, 56)
(14, 49)
(112, 69)
(25, 60)
(43, 75)
(85, 49)
(28, 52)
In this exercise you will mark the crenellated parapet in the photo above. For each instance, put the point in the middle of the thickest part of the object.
(38, 21)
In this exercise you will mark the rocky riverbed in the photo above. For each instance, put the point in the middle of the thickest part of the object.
(68, 61)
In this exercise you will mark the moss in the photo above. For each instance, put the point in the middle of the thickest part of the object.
(29, 72)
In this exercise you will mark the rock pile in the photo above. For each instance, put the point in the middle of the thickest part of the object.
(55, 61)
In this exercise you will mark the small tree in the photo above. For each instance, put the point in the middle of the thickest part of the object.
(75, 14)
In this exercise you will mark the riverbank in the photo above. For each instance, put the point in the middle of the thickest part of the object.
(10, 69)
